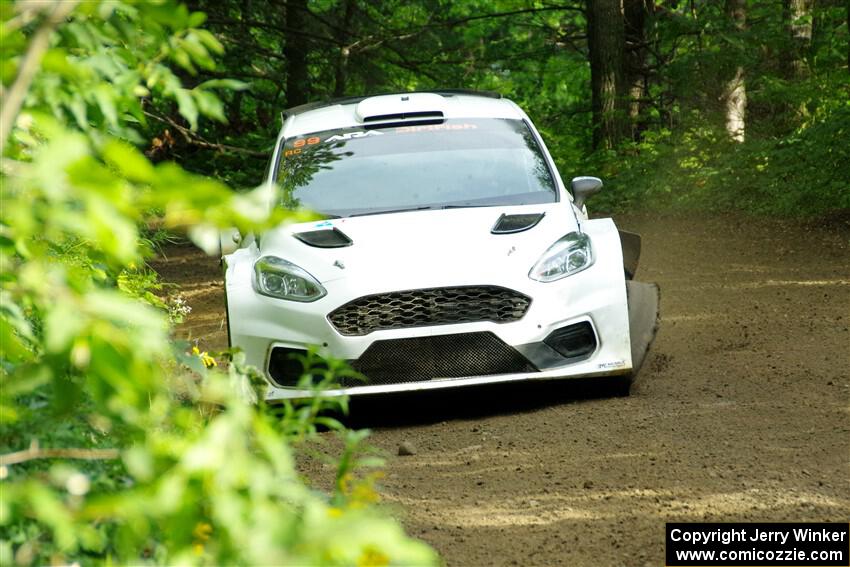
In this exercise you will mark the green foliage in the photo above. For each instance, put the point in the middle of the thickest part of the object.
(105, 62)
(802, 173)
(792, 160)
(143, 452)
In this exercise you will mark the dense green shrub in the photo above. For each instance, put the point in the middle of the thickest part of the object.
(120, 445)
(803, 173)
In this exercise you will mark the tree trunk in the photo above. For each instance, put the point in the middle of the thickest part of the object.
(635, 14)
(295, 51)
(736, 106)
(736, 87)
(234, 106)
(342, 35)
(606, 39)
(798, 22)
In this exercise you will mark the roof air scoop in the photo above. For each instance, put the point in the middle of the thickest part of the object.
(405, 116)
(333, 238)
(509, 224)
(400, 107)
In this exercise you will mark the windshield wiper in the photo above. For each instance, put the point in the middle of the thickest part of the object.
(388, 211)
(470, 206)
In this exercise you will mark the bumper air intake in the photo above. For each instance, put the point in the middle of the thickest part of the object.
(575, 341)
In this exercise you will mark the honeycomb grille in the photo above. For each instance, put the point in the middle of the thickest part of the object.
(425, 307)
(420, 359)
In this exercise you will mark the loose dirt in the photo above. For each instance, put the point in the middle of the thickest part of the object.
(741, 413)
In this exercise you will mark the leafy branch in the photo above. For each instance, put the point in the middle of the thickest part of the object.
(14, 98)
(195, 139)
(35, 452)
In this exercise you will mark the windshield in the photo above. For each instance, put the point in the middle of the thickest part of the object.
(453, 163)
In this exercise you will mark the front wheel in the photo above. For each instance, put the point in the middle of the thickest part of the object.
(620, 386)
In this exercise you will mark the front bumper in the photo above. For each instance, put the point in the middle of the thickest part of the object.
(596, 296)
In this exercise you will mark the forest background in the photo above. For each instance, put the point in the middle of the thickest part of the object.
(712, 104)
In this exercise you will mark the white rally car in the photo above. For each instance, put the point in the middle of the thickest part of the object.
(452, 254)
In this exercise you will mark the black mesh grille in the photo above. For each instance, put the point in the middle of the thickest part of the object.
(424, 307)
(420, 359)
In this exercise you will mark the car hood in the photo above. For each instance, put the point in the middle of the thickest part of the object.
(419, 249)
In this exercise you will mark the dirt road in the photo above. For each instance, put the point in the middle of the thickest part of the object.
(742, 411)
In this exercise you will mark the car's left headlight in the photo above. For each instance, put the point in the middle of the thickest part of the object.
(276, 277)
(569, 255)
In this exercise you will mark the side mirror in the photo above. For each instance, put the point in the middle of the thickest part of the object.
(229, 241)
(583, 188)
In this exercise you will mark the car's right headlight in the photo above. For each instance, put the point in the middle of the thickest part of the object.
(569, 255)
(276, 277)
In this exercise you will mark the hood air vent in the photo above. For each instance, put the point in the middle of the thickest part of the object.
(324, 238)
(509, 224)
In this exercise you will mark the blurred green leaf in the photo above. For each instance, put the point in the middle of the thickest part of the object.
(188, 108)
